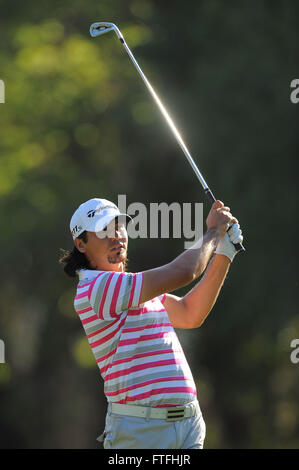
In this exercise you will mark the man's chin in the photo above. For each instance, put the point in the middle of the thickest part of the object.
(118, 258)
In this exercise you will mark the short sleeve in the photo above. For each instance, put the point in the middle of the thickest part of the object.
(111, 293)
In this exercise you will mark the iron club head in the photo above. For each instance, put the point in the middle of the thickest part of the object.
(97, 29)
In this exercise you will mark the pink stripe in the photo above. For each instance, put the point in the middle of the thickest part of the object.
(125, 342)
(159, 391)
(89, 319)
(100, 312)
(144, 327)
(147, 365)
(132, 291)
(109, 336)
(80, 296)
(143, 310)
(143, 384)
(138, 356)
(116, 292)
(137, 311)
(84, 310)
(163, 299)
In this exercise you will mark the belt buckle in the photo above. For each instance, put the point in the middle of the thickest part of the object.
(176, 414)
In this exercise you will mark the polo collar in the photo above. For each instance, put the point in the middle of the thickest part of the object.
(88, 274)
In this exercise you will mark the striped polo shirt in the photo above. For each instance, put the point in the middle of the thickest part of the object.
(135, 346)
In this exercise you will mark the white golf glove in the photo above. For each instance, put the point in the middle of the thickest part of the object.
(225, 246)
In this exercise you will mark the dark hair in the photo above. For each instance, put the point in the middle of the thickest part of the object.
(74, 260)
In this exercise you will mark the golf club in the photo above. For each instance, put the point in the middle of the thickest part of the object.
(97, 29)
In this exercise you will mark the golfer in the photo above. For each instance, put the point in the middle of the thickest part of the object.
(130, 321)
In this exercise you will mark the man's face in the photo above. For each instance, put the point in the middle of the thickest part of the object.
(106, 250)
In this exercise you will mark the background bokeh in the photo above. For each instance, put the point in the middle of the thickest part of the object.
(78, 122)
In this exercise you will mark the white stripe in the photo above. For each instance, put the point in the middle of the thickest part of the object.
(186, 369)
(122, 292)
(138, 286)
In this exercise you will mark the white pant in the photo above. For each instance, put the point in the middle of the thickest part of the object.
(129, 432)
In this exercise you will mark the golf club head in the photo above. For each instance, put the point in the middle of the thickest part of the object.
(97, 29)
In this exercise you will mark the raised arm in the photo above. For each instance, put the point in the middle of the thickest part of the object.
(191, 310)
(192, 262)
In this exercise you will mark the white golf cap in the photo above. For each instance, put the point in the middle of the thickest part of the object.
(94, 215)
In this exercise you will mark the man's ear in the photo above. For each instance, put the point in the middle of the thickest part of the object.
(80, 245)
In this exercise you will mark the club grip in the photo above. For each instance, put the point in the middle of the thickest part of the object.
(212, 199)
(210, 195)
(239, 247)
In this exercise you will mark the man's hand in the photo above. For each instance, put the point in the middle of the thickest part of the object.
(220, 218)
(225, 246)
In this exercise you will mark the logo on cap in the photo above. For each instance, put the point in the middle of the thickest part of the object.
(76, 229)
(91, 213)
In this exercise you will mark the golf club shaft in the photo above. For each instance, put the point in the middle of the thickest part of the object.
(167, 118)
(211, 197)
